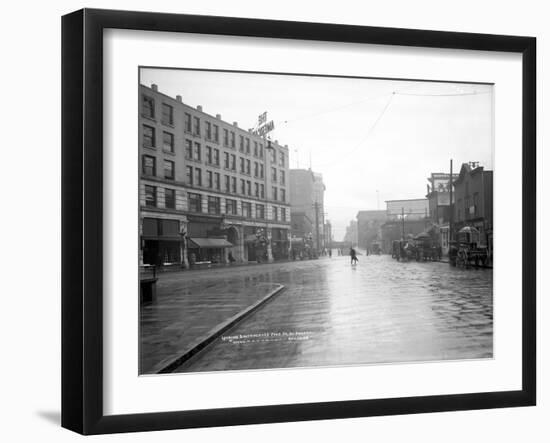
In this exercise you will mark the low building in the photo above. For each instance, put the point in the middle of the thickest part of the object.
(412, 209)
(399, 229)
(473, 199)
(405, 218)
(439, 205)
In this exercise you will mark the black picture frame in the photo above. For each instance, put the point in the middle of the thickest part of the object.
(82, 259)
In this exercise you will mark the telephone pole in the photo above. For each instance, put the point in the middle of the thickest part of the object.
(316, 206)
(403, 222)
(451, 206)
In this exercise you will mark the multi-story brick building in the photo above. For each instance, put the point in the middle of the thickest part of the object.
(209, 190)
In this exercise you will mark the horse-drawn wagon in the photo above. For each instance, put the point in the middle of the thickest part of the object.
(404, 250)
(375, 248)
(427, 248)
(467, 251)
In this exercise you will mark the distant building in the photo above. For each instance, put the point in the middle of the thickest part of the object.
(405, 218)
(328, 234)
(351, 233)
(368, 227)
(474, 201)
(209, 190)
(307, 207)
(319, 189)
(413, 209)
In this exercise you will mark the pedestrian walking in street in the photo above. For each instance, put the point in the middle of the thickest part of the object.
(353, 256)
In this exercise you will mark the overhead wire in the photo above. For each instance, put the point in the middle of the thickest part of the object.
(458, 94)
(329, 110)
(364, 139)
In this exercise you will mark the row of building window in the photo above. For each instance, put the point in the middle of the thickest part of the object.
(194, 177)
(193, 151)
(213, 181)
(149, 167)
(192, 125)
(213, 204)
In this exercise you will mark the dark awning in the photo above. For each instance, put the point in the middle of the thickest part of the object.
(470, 229)
(210, 243)
(422, 235)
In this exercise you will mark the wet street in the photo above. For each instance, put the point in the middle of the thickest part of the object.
(332, 313)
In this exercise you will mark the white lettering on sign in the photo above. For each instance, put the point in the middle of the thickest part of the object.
(263, 130)
(262, 118)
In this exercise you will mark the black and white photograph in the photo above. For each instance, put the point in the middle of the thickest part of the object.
(266, 222)
(294, 220)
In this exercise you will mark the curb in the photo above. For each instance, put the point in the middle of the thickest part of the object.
(169, 364)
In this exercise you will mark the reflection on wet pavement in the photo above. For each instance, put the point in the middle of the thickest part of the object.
(379, 311)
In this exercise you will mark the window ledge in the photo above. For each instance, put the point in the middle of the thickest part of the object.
(151, 119)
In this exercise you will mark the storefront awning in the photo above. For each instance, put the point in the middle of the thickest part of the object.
(209, 243)
(469, 229)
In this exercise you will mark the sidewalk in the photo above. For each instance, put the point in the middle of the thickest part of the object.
(210, 266)
(189, 314)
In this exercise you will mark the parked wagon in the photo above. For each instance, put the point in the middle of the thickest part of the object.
(427, 247)
(404, 250)
(468, 251)
(375, 248)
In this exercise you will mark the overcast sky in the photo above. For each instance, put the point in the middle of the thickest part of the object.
(363, 135)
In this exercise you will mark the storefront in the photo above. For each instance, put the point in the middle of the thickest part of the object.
(161, 242)
(280, 243)
(445, 236)
(302, 248)
(207, 250)
(255, 244)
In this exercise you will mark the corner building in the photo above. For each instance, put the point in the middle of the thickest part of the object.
(209, 191)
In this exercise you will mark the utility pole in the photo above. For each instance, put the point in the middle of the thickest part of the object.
(325, 233)
(403, 222)
(451, 206)
(316, 205)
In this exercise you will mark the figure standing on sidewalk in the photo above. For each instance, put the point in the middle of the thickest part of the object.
(353, 256)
